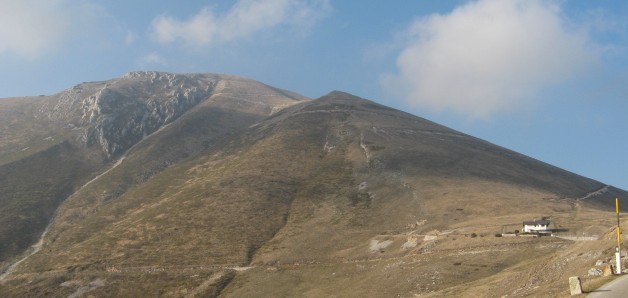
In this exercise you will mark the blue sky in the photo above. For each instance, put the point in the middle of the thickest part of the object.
(548, 79)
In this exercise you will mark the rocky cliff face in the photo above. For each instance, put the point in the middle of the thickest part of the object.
(116, 114)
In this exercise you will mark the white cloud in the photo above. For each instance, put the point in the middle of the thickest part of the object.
(489, 56)
(31, 28)
(242, 20)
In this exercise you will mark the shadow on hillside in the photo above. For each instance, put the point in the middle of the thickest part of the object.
(562, 230)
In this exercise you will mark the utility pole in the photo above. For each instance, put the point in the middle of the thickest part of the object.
(618, 251)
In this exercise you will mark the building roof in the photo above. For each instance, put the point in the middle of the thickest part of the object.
(542, 222)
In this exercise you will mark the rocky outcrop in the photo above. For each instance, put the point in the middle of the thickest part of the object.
(116, 114)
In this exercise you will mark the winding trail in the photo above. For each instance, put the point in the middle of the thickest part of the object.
(37, 246)
(595, 193)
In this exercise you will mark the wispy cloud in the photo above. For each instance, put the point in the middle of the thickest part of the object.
(489, 56)
(129, 37)
(31, 28)
(150, 60)
(241, 21)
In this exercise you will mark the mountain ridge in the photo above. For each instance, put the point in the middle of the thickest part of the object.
(255, 177)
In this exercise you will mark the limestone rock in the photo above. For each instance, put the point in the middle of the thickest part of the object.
(595, 272)
(575, 287)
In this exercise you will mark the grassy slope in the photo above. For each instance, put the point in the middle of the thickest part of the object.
(31, 190)
(22, 133)
(325, 249)
(38, 169)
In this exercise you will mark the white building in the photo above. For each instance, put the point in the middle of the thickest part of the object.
(537, 227)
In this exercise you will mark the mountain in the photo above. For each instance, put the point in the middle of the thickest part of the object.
(51, 146)
(161, 184)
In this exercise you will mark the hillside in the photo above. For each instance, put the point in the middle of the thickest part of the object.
(199, 185)
(52, 146)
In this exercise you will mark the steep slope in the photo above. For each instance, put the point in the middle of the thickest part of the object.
(53, 146)
(336, 196)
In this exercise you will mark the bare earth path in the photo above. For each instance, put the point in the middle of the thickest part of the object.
(36, 247)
